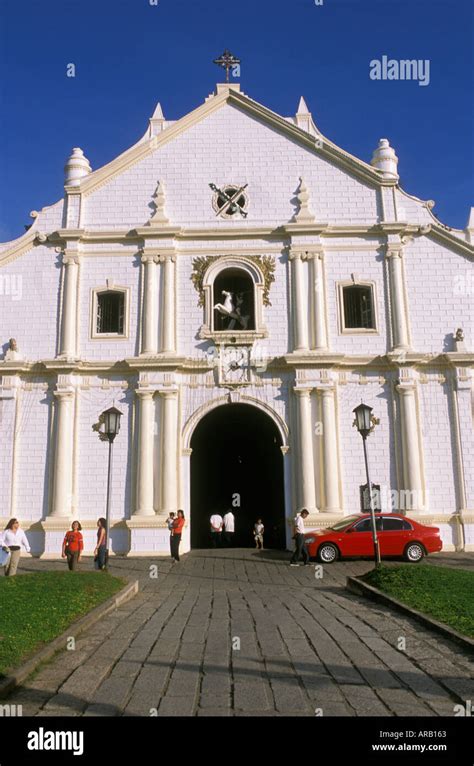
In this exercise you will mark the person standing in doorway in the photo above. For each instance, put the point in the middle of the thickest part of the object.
(258, 530)
(216, 529)
(169, 524)
(300, 545)
(176, 533)
(73, 545)
(100, 549)
(229, 527)
(11, 539)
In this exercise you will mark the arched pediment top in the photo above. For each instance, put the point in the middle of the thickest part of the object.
(224, 262)
(261, 270)
(191, 423)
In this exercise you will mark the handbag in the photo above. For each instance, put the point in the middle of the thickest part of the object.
(4, 557)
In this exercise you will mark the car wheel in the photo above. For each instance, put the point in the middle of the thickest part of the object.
(414, 552)
(328, 553)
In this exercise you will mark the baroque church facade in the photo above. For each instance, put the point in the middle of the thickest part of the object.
(235, 284)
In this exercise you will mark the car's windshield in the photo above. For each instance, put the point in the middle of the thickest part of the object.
(344, 523)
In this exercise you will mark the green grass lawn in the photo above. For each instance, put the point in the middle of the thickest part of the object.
(442, 593)
(35, 608)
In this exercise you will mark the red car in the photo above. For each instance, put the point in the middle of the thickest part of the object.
(352, 536)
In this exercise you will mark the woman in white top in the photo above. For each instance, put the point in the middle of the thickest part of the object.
(11, 539)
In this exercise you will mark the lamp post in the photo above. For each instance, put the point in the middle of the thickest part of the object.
(111, 420)
(365, 424)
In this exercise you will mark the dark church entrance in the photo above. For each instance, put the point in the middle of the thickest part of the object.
(236, 463)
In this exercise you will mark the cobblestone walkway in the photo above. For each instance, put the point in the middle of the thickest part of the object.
(239, 632)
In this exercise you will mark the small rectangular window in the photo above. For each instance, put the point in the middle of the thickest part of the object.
(358, 307)
(110, 313)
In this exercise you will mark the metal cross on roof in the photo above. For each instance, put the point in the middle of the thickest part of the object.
(228, 61)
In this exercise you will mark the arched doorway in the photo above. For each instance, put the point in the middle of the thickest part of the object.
(236, 460)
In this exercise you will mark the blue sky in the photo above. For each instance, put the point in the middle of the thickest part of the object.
(129, 54)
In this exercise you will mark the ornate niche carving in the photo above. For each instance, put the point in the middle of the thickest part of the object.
(233, 291)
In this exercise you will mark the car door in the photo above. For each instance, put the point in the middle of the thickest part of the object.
(360, 541)
(394, 536)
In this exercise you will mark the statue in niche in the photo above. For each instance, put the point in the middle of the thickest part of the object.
(12, 354)
(233, 307)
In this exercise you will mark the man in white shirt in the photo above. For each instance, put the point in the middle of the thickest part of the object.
(216, 529)
(229, 527)
(300, 547)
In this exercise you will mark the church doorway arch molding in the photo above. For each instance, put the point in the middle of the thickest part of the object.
(237, 457)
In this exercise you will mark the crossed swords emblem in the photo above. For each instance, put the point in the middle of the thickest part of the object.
(231, 200)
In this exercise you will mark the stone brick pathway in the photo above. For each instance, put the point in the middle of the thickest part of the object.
(239, 632)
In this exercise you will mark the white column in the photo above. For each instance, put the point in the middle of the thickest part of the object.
(411, 447)
(168, 309)
(145, 454)
(169, 451)
(63, 455)
(149, 315)
(399, 314)
(330, 453)
(304, 456)
(68, 345)
(319, 297)
(299, 300)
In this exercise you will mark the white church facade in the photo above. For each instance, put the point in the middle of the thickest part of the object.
(235, 284)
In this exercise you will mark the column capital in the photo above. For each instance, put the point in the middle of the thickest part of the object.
(167, 258)
(407, 387)
(302, 392)
(148, 258)
(168, 393)
(145, 393)
(70, 259)
(295, 255)
(314, 253)
(326, 389)
(64, 394)
(393, 251)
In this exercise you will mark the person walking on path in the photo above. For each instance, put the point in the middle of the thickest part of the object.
(169, 524)
(258, 530)
(300, 546)
(216, 529)
(11, 539)
(100, 549)
(176, 533)
(229, 527)
(73, 545)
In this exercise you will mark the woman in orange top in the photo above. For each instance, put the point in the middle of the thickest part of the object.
(176, 533)
(73, 545)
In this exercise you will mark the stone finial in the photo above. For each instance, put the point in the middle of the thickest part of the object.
(470, 227)
(459, 344)
(157, 121)
(159, 201)
(303, 116)
(76, 167)
(385, 159)
(304, 214)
